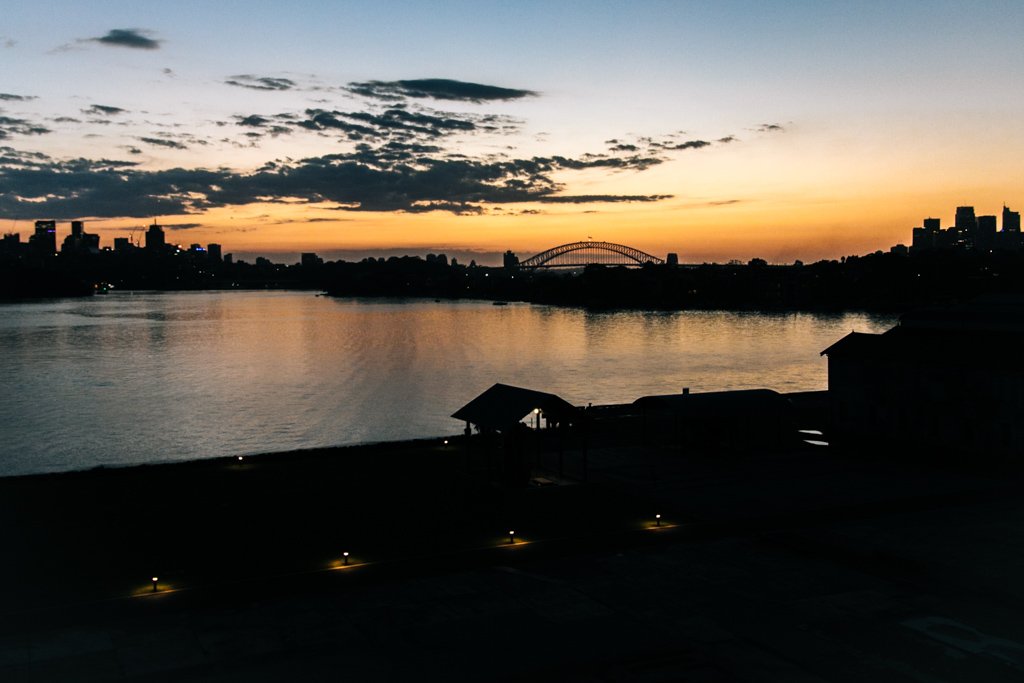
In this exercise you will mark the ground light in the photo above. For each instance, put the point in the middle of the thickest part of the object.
(155, 579)
(345, 555)
(657, 520)
(511, 536)
(240, 458)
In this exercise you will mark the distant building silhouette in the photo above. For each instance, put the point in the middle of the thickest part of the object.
(79, 241)
(1011, 220)
(969, 233)
(155, 240)
(310, 260)
(965, 224)
(510, 260)
(985, 233)
(44, 240)
(213, 252)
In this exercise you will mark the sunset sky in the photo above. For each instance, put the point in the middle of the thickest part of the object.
(723, 130)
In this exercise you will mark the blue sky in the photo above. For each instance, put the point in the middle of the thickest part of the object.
(912, 107)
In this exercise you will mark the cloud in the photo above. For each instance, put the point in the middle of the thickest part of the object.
(770, 128)
(7, 97)
(386, 175)
(160, 142)
(103, 110)
(390, 157)
(261, 82)
(181, 226)
(436, 88)
(7, 42)
(136, 38)
(727, 139)
(10, 157)
(254, 120)
(595, 198)
(689, 144)
(11, 126)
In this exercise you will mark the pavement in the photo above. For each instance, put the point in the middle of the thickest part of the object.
(793, 567)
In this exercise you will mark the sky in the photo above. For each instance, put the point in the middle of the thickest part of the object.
(727, 130)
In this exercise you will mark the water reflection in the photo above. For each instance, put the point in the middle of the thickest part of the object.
(133, 378)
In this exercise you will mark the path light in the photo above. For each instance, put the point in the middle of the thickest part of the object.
(446, 442)
(240, 458)
(155, 579)
(345, 555)
(657, 520)
(511, 536)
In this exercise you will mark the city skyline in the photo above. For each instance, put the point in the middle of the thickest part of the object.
(782, 132)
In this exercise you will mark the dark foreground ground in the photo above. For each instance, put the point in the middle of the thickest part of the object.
(795, 565)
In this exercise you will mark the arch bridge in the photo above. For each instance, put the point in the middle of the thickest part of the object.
(577, 254)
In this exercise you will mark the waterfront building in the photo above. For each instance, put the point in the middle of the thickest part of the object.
(213, 252)
(510, 260)
(930, 385)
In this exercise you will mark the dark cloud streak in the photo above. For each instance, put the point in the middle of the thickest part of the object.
(436, 88)
(260, 82)
(136, 38)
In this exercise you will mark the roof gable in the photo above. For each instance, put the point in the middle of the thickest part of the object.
(504, 405)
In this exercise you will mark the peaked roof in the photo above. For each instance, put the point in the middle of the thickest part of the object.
(502, 406)
(855, 342)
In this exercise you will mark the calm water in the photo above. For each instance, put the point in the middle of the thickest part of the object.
(127, 379)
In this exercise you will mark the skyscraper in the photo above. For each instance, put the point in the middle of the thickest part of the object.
(985, 234)
(44, 240)
(966, 225)
(155, 241)
(1011, 220)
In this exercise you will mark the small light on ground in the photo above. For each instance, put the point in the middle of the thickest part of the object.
(345, 555)
(657, 520)
(240, 458)
(155, 579)
(511, 536)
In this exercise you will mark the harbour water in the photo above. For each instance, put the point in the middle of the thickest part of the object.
(133, 378)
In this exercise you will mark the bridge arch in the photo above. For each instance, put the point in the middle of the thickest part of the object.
(589, 253)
